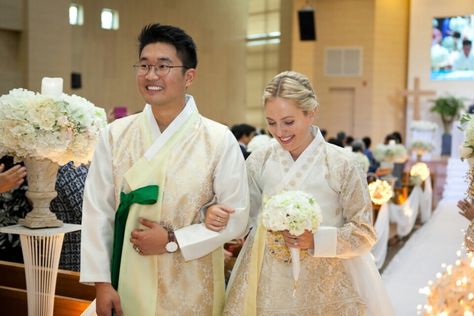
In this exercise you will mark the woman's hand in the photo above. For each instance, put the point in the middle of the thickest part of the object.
(304, 241)
(217, 217)
(467, 209)
(12, 178)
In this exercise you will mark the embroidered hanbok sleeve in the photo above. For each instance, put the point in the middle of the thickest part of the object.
(231, 189)
(357, 235)
(98, 215)
(254, 169)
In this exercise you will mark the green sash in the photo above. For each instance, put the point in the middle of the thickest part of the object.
(143, 195)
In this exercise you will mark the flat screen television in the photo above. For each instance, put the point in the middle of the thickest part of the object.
(452, 56)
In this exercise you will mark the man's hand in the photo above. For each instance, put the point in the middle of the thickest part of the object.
(217, 217)
(107, 300)
(12, 178)
(152, 241)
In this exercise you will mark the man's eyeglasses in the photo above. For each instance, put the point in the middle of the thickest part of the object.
(160, 69)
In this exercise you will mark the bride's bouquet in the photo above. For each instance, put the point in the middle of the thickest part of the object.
(295, 211)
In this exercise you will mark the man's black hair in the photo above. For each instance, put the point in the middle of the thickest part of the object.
(241, 130)
(158, 33)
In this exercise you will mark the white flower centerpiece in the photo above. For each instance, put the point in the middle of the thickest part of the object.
(294, 211)
(380, 191)
(46, 130)
(420, 171)
(389, 154)
(420, 147)
(466, 150)
(362, 161)
(422, 135)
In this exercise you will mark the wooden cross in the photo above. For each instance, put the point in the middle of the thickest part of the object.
(417, 93)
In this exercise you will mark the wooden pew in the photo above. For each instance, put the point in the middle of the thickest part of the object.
(71, 298)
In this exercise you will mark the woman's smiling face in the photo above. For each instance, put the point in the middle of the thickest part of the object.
(290, 125)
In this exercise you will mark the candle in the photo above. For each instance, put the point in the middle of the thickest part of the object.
(52, 87)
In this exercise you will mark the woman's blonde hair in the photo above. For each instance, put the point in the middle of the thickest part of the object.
(292, 85)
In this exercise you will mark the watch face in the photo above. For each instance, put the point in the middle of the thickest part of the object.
(171, 246)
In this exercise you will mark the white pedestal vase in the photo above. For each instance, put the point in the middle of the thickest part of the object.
(41, 175)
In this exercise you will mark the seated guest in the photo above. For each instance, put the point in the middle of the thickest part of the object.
(13, 206)
(335, 141)
(373, 163)
(68, 207)
(324, 133)
(244, 134)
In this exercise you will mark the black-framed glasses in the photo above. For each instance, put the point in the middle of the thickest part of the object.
(160, 69)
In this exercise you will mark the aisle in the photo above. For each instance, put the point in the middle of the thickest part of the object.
(421, 257)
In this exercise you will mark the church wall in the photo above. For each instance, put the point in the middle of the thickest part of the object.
(11, 25)
(46, 45)
(105, 58)
(344, 23)
(390, 67)
(380, 28)
(419, 61)
(46, 42)
(422, 12)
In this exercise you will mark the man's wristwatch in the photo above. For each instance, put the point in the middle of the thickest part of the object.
(172, 245)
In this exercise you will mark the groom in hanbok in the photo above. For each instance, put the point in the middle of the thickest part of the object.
(143, 244)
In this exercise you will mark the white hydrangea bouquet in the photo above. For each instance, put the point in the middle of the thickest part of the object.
(380, 191)
(62, 128)
(390, 153)
(362, 161)
(295, 211)
(423, 126)
(466, 150)
(421, 147)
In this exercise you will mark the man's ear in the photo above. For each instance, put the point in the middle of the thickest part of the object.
(189, 76)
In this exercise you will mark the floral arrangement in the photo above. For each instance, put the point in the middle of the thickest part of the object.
(380, 191)
(258, 141)
(295, 211)
(421, 147)
(466, 150)
(453, 291)
(60, 129)
(420, 170)
(362, 161)
(390, 153)
(423, 126)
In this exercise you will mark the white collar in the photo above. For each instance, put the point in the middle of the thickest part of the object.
(161, 138)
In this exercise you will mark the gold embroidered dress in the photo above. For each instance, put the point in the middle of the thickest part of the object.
(339, 278)
(195, 161)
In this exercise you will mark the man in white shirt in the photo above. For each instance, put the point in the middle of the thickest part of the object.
(143, 244)
(464, 59)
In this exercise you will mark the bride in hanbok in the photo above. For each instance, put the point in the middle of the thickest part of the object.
(338, 276)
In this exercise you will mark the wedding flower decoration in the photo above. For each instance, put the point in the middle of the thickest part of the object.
(380, 191)
(421, 147)
(390, 153)
(295, 211)
(362, 161)
(421, 170)
(466, 150)
(423, 126)
(453, 291)
(258, 141)
(60, 129)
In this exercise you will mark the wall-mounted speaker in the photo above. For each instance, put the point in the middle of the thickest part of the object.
(76, 81)
(307, 23)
